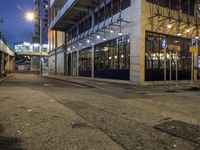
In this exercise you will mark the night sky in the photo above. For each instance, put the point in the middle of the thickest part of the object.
(15, 27)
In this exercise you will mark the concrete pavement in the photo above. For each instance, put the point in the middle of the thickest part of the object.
(40, 113)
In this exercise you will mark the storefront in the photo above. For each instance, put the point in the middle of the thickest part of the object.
(178, 57)
(112, 59)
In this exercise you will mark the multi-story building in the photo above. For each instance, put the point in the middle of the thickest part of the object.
(6, 57)
(138, 40)
(41, 11)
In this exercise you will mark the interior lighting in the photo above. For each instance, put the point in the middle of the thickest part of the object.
(169, 26)
(120, 33)
(187, 30)
(98, 36)
(179, 34)
(88, 41)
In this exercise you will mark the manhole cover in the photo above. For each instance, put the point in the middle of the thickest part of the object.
(186, 131)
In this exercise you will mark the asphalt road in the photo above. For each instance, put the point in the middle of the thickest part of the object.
(43, 114)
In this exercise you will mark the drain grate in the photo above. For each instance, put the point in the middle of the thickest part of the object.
(186, 131)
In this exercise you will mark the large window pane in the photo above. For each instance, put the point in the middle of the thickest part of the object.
(85, 66)
(177, 50)
(112, 59)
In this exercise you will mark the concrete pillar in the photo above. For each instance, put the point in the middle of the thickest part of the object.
(55, 62)
(7, 66)
(92, 72)
(2, 62)
(77, 63)
(135, 40)
(65, 62)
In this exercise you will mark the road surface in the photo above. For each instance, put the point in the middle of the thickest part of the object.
(44, 114)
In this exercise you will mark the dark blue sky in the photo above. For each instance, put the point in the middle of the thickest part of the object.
(16, 28)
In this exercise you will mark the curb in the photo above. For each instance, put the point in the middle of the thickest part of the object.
(72, 82)
(3, 79)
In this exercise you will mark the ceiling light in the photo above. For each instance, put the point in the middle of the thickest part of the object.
(169, 26)
(179, 34)
(88, 41)
(188, 30)
(120, 33)
(98, 36)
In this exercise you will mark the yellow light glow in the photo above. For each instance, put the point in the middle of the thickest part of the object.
(30, 16)
(169, 26)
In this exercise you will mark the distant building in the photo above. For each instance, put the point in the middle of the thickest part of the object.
(41, 10)
(30, 49)
(28, 56)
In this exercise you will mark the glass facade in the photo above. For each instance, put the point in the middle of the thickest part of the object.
(85, 62)
(177, 51)
(112, 59)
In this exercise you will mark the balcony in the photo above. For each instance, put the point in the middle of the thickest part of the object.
(70, 13)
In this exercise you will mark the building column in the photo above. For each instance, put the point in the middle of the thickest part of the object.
(65, 62)
(77, 53)
(8, 63)
(55, 62)
(92, 61)
(137, 42)
(2, 62)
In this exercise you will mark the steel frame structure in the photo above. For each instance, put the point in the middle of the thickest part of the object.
(177, 19)
(96, 30)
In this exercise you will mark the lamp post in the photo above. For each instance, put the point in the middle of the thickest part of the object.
(30, 16)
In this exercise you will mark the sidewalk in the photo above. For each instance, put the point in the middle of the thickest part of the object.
(92, 82)
(108, 84)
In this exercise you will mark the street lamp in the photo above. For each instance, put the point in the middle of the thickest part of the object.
(30, 16)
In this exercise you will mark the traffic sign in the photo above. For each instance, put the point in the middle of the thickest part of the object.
(194, 42)
(194, 46)
(164, 43)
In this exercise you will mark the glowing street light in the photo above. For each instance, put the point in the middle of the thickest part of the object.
(30, 16)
